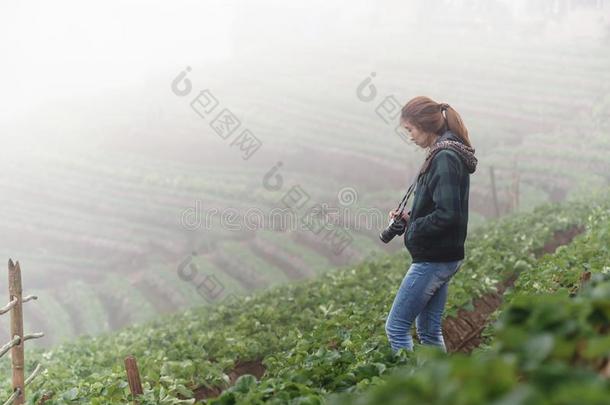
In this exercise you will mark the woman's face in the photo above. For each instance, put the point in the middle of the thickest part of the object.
(420, 138)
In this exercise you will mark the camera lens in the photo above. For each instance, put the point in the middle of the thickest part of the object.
(394, 228)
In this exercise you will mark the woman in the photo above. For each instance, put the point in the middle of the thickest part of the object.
(437, 223)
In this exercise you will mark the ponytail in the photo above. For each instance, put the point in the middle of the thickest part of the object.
(456, 125)
(427, 115)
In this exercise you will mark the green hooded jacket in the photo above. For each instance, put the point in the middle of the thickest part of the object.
(438, 222)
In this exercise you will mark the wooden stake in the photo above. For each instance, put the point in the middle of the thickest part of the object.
(17, 360)
(516, 191)
(584, 279)
(493, 190)
(514, 195)
(133, 376)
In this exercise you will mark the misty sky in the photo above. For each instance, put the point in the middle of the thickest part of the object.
(77, 49)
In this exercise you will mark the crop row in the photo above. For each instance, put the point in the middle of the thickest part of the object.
(322, 335)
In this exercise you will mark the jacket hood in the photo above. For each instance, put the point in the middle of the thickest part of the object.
(449, 140)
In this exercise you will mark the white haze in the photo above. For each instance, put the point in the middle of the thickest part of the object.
(84, 81)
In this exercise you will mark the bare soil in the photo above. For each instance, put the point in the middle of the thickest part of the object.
(463, 333)
(253, 367)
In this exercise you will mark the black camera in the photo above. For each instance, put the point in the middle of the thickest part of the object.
(396, 226)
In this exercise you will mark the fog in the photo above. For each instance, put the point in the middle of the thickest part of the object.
(103, 154)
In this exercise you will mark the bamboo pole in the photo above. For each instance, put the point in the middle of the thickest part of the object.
(133, 377)
(17, 357)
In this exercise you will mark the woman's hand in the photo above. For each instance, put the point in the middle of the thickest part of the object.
(405, 215)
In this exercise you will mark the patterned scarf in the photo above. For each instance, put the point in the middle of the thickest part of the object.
(464, 151)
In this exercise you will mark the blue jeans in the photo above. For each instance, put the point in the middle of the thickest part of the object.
(421, 297)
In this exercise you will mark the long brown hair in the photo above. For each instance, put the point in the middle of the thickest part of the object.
(427, 115)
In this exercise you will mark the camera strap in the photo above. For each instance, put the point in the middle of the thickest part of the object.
(405, 199)
(424, 167)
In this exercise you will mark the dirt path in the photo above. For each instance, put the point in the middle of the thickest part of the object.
(254, 367)
(463, 333)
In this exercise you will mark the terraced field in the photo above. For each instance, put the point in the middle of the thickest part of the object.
(323, 340)
(104, 227)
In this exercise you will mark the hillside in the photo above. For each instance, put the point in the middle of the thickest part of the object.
(108, 220)
(311, 338)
